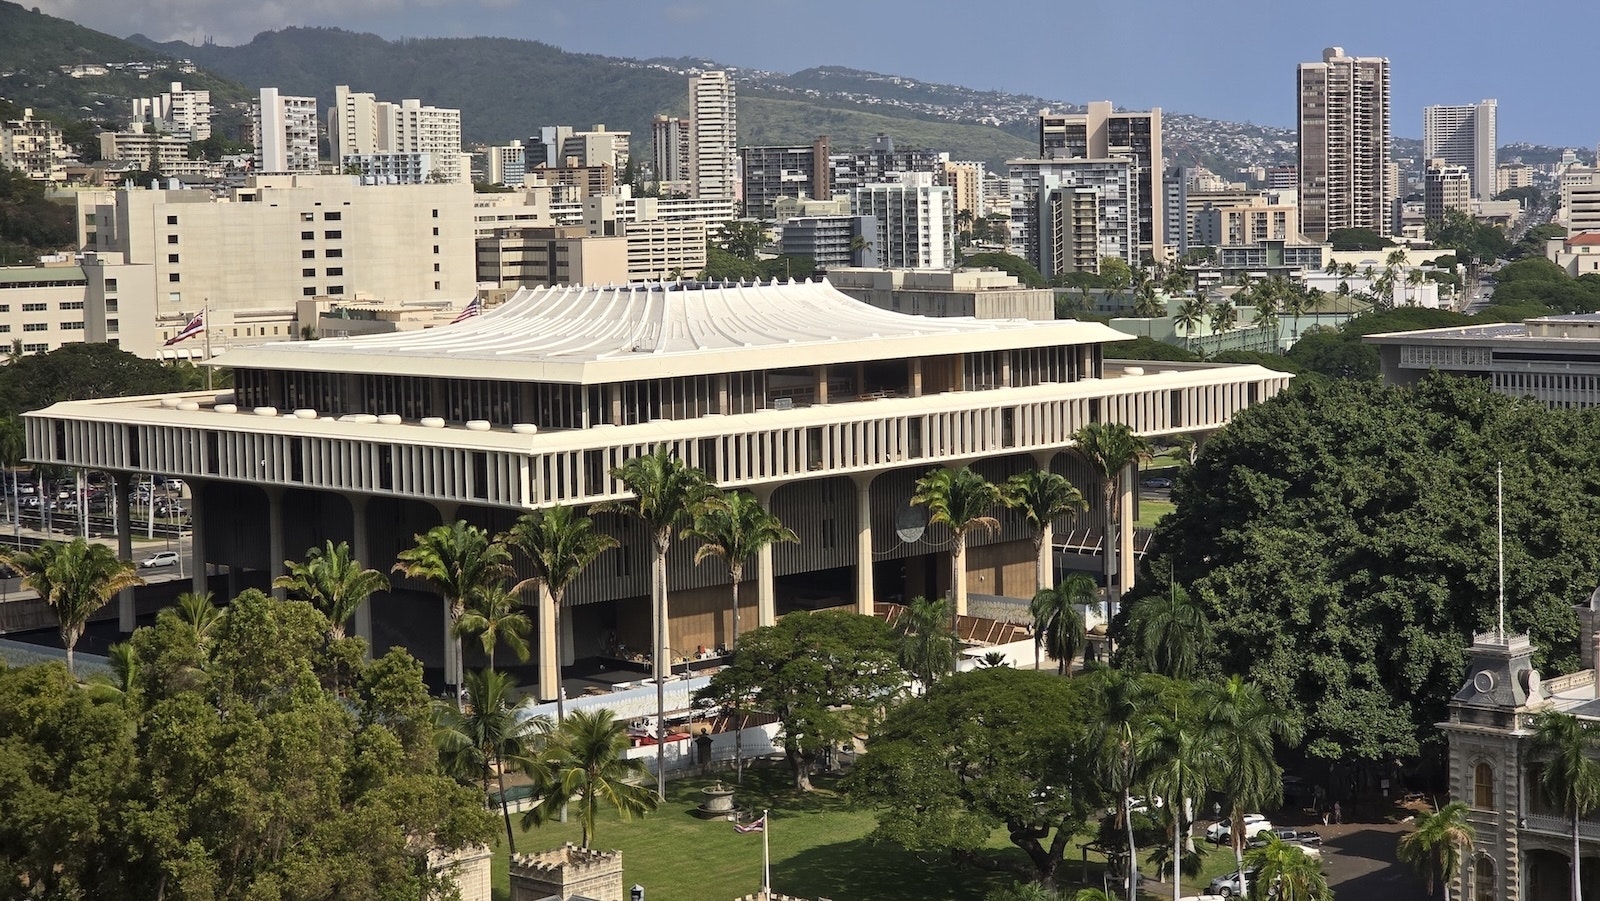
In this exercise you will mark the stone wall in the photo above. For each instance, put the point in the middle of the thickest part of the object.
(469, 867)
(566, 872)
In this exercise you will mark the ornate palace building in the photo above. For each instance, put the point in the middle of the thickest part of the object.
(826, 408)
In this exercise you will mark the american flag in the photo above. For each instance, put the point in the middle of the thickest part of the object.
(196, 326)
(471, 310)
(756, 825)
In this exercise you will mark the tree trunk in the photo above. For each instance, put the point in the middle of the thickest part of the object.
(661, 656)
(735, 573)
(505, 809)
(1577, 861)
(1043, 570)
(1133, 852)
(958, 579)
(1177, 851)
(555, 623)
(69, 639)
(1236, 838)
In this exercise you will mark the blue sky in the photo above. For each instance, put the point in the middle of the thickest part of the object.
(1230, 59)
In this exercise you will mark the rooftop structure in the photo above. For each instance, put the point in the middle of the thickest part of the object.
(1554, 360)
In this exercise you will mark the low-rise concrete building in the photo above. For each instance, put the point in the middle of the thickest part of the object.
(979, 293)
(1554, 360)
(560, 255)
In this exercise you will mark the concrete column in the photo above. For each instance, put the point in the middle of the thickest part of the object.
(549, 647)
(866, 594)
(822, 384)
(766, 577)
(360, 547)
(1125, 562)
(915, 377)
(614, 395)
(1005, 368)
(275, 552)
(122, 484)
(197, 539)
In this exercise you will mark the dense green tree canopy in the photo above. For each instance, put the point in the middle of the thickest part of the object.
(1016, 266)
(1357, 239)
(83, 371)
(226, 771)
(30, 222)
(1342, 540)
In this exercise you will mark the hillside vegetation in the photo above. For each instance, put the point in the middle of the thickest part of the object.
(772, 120)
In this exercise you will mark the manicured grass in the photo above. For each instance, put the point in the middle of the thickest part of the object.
(1151, 511)
(819, 846)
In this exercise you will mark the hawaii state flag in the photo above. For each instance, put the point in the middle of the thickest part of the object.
(472, 310)
(196, 326)
(757, 825)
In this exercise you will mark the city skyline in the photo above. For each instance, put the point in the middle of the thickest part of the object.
(1236, 62)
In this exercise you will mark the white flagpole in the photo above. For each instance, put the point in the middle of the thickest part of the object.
(766, 855)
(1500, 540)
(205, 329)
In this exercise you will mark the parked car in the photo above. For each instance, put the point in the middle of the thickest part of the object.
(159, 558)
(172, 484)
(1221, 832)
(1301, 837)
(1157, 483)
(1227, 885)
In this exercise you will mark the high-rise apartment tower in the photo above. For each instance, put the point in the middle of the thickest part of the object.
(1344, 143)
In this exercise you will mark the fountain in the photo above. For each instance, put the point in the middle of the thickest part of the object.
(718, 802)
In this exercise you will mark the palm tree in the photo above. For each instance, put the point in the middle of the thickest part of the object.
(1224, 316)
(1192, 313)
(333, 582)
(75, 578)
(493, 616)
(584, 760)
(1291, 873)
(666, 492)
(458, 560)
(1176, 280)
(960, 500)
(492, 731)
(1434, 849)
(1169, 632)
(1111, 448)
(1058, 622)
(1570, 776)
(200, 613)
(1178, 762)
(1122, 699)
(735, 527)
(1266, 304)
(13, 446)
(1242, 725)
(1296, 301)
(1043, 497)
(559, 544)
(927, 646)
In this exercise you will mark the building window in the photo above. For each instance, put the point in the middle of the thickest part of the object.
(333, 234)
(5, 328)
(336, 270)
(111, 325)
(172, 258)
(308, 217)
(435, 214)
(1483, 881)
(70, 305)
(1483, 787)
(436, 231)
(36, 326)
(335, 290)
(172, 277)
(111, 285)
(307, 236)
(308, 273)
(172, 239)
(435, 286)
(333, 253)
(42, 348)
(435, 267)
(308, 254)
(435, 248)
(332, 217)
(72, 326)
(309, 292)
(172, 220)
(35, 307)
(111, 306)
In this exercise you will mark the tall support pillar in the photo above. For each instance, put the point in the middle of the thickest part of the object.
(1047, 550)
(1125, 561)
(275, 552)
(866, 594)
(360, 547)
(201, 581)
(549, 647)
(766, 576)
(127, 613)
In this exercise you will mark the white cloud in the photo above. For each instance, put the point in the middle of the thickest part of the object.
(229, 21)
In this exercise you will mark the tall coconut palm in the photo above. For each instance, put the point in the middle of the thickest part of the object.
(1042, 497)
(1244, 726)
(1266, 308)
(1570, 778)
(1178, 761)
(666, 492)
(1058, 623)
(458, 560)
(927, 646)
(75, 578)
(200, 613)
(1169, 632)
(1296, 301)
(1122, 699)
(733, 527)
(1192, 313)
(1224, 316)
(494, 616)
(1112, 449)
(960, 500)
(583, 760)
(1436, 846)
(493, 731)
(332, 581)
(13, 446)
(560, 544)
(1289, 871)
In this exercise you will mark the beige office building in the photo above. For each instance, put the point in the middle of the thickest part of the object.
(1344, 144)
(1466, 136)
(565, 255)
(1099, 133)
(1445, 187)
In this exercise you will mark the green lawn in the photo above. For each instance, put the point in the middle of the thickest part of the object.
(1151, 511)
(819, 849)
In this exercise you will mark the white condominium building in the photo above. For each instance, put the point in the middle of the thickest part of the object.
(713, 136)
(1344, 144)
(915, 221)
(360, 125)
(826, 408)
(182, 114)
(285, 133)
(1069, 214)
(1464, 136)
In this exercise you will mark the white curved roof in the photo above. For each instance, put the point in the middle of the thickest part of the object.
(600, 334)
